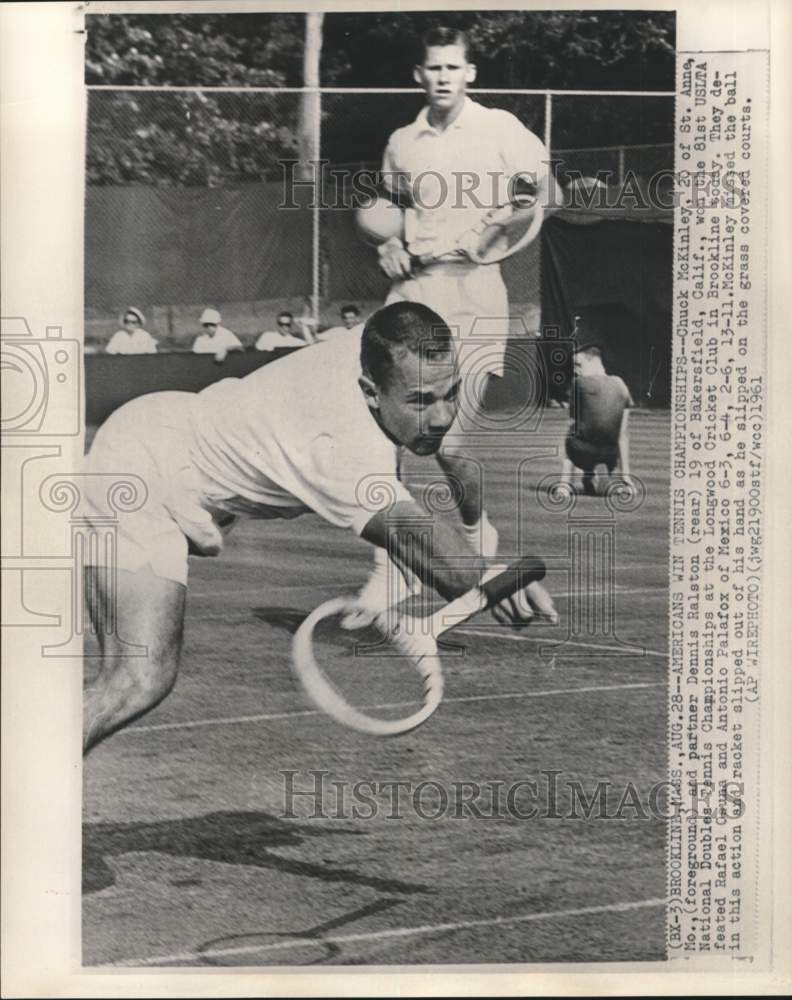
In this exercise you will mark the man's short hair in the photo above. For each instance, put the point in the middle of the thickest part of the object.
(396, 329)
(443, 35)
(350, 309)
(590, 351)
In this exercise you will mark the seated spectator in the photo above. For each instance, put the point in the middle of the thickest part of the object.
(284, 336)
(350, 316)
(350, 320)
(215, 339)
(132, 339)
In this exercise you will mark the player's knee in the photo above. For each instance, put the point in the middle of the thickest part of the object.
(159, 675)
(147, 681)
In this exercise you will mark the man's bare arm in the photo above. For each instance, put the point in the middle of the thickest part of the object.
(433, 556)
(442, 559)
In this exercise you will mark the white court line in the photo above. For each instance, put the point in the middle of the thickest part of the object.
(391, 933)
(494, 633)
(520, 637)
(296, 713)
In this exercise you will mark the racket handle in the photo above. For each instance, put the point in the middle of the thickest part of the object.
(503, 583)
(526, 570)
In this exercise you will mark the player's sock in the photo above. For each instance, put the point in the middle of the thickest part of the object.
(385, 587)
(482, 537)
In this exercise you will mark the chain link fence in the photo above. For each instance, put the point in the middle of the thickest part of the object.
(190, 198)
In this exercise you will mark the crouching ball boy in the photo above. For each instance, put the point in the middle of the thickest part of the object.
(308, 433)
(599, 407)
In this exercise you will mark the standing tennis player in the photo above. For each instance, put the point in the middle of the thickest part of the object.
(457, 160)
(242, 446)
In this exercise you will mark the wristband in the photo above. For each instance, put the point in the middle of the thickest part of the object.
(394, 243)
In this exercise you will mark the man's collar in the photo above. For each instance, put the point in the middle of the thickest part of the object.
(424, 125)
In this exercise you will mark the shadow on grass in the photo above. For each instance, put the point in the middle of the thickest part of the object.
(287, 619)
(232, 838)
(328, 631)
(300, 947)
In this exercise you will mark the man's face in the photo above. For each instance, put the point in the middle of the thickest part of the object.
(284, 324)
(209, 328)
(444, 74)
(585, 364)
(349, 319)
(419, 404)
(131, 323)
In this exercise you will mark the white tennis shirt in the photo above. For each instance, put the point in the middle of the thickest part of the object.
(340, 331)
(139, 341)
(293, 436)
(207, 343)
(456, 174)
(271, 340)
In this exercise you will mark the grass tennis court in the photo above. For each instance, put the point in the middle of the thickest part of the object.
(188, 859)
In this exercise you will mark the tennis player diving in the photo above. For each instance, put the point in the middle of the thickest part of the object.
(456, 162)
(315, 431)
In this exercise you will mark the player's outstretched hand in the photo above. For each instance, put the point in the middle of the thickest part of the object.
(394, 259)
(532, 604)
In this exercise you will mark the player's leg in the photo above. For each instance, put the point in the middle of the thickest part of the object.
(147, 612)
(613, 462)
(583, 456)
(456, 459)
(455, 455)
(589, 485)
(136, 590)
(568, 465)
(477, 309)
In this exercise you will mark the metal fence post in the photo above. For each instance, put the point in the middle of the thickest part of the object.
(548, 122)
(316, 244)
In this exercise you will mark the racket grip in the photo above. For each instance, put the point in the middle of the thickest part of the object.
(526, 570)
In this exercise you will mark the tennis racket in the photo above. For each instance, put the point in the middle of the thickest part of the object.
(410, 641)
(500, 233)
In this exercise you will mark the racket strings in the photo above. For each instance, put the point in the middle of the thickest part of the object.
(351, 680)
(506, 230)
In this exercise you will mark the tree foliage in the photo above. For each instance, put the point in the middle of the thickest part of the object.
(208, 138)
(606, 50)
(185, 50)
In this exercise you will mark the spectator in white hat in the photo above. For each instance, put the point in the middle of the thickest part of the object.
(215, 339)
(132, 338)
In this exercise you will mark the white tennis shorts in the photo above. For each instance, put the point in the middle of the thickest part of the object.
(473, 301)
(149, 437)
